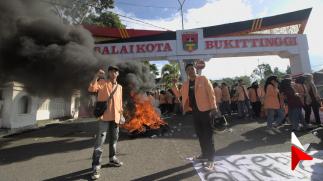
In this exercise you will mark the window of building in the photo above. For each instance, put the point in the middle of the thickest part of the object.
(24, 105)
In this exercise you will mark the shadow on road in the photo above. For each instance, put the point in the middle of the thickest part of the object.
(83, 174)
(257, 137)
(160, 175)
(29, 151)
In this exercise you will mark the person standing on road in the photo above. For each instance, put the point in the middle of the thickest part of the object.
(313, 100)
(226, 100)
(197, 93)
(244, 107)
(163, 102)
(218, 95)
(108, 123)
(273, 103)
(294, 105)
(254, 95)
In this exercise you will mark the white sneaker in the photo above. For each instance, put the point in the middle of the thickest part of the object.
(209, 166)
(95, 175)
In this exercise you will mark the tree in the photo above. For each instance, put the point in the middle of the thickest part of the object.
(278, 73)
(75, 11)
(153, 68)
(232, 81)
(229, 81)
(170, 72)
(261, 72)
(107, 19)
(246, 79)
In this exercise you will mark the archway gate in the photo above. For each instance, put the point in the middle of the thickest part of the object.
(280, 35)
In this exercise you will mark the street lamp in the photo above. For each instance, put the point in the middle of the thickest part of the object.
(181, 8)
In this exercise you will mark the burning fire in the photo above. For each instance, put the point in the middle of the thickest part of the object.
(145, 115)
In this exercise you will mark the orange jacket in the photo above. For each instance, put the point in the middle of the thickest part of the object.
(218, 94)
(225, 94)
(204, 94)
(242, 91)
(301, 90)
(253, 96)
(271, 98)
(104, 88)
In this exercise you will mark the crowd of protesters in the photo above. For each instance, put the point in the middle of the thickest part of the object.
(292, 99)
(275, 100)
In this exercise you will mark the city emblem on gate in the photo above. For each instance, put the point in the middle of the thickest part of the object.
(190, 41)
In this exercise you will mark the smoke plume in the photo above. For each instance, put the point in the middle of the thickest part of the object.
(52, 58)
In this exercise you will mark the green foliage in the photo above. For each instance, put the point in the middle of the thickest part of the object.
(170, 72)
(153, 68)
(278, 73)
(261, 72)
(232, 81)
(106, 19)
(75, 11)
(264, 70)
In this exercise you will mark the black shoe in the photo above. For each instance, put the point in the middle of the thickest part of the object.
(115, 162)
(296, 130)
(200, 158)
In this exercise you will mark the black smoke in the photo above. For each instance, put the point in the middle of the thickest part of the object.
(52, 58)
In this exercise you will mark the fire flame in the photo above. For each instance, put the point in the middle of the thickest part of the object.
(145, 115)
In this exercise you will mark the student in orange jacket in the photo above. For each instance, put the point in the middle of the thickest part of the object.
(197, 93)
(313, 100)
(177, 101)
(218, 95)
(108, 122)
(226, 99)
(273, 102)
(254, 95)
(243, 100)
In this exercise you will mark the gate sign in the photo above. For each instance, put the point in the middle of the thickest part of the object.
(199, 64)
(190, 41)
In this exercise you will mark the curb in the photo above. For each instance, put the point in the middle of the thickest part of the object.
(39, 125)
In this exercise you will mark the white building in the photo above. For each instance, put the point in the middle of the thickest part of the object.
(18, 109)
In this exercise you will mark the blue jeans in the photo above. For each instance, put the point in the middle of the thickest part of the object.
(274, 116)
(104, 128)
(296, 117)
(244, 108)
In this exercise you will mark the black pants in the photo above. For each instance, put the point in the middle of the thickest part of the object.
(170, 108)
(204, 133)
(316, 110)
(225, 107)
(256, 107)
(163, 108)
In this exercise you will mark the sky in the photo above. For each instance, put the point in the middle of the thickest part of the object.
(200, 13)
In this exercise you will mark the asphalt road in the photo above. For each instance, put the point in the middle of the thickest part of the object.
(63, 151)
